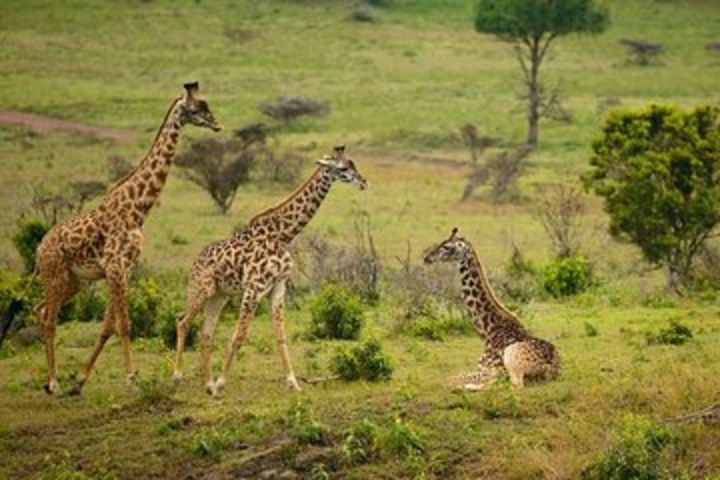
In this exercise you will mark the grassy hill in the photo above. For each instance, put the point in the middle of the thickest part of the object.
(399, 89)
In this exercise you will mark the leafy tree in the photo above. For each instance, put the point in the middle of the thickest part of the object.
(532, 26)
(659, 172)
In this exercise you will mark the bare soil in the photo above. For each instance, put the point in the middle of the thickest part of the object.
(42, 123)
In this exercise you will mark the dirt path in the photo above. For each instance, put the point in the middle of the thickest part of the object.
(45, 124)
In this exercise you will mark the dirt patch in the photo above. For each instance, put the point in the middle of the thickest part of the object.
(41, 123)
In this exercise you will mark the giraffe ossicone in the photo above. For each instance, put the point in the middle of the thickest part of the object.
(105, 242)
(252, 263)
(508, 345)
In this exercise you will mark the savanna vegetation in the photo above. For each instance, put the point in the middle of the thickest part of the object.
(602, 235)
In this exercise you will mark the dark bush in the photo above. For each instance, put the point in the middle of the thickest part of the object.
(284, 167)
(26, 239)
(88, 306)
(362, 13)
(676, 333)
(567, 276)
(365, 361)
(336, 313)
(289, 108)
(219, 167)
(168, 333)
(641, 52)
(635, 454)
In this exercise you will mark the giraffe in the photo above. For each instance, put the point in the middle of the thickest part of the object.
(256, 261)
(507, 344)
(105, 242)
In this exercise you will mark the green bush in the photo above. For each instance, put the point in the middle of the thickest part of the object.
(26, 239)
(360, 444)
(88, 306)
(365, 361)
(303, 427)
(676, 333)
(635, 453)
(402, 439)
(149, 308)
(168, 332)
(658, 172)
(568, 276)
(336, 313)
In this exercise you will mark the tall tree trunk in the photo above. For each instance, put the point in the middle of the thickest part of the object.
(534, 93)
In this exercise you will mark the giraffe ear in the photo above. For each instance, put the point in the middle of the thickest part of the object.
(454, 233)
(191, 88)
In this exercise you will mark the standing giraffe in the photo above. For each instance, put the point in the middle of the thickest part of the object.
(254, 262)
(106, 241)
(507, 343)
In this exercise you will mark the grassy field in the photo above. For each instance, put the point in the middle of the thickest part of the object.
(399, 89)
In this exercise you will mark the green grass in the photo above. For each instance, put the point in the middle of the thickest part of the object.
(399, 89)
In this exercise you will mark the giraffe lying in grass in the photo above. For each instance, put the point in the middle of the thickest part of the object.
(105, 242)
(252, 263)
(508, 345)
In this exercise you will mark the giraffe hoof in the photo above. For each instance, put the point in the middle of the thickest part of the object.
(177, 376)
(132, 378)
(51, 388)
(293, 385)
(219, 384)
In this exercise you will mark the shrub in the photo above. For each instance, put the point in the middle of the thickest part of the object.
(303, 427)
(365, 361)
(356, 266)
(437, 322)
(402, 438)
(168, 332)
(520, 280)
(360, 443)
(336, 313)
(289, 108)
(88, 306)
(635, 453)
(12, 303)
(676, 333)
(567, 276)
(26, 239)
(658, 173)
(149, 308)
(590, 330)
(219, 167)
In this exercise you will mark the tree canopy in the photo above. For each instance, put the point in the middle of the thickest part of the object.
(523, 19)
(659, 172)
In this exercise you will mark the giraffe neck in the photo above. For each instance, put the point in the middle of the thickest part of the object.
(139, 190)
(287, 220)
(492, 319)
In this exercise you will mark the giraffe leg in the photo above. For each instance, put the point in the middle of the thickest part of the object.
(212, 310)
(247, 310)
(116, 311)
(195, 302)
(60, 290)
(106, 331)
(488, 368)
(278, 308)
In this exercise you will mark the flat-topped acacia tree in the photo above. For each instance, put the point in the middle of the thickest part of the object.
(532, 26)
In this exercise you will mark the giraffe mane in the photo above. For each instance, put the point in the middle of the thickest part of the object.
(490, 292)
(287, 200)
(137, 166)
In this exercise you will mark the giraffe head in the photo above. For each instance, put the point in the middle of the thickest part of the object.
(195, 110)
(342, 169)
(453, 249)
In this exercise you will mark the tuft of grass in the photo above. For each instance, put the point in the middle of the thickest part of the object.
(365, 361)
(675, 333)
